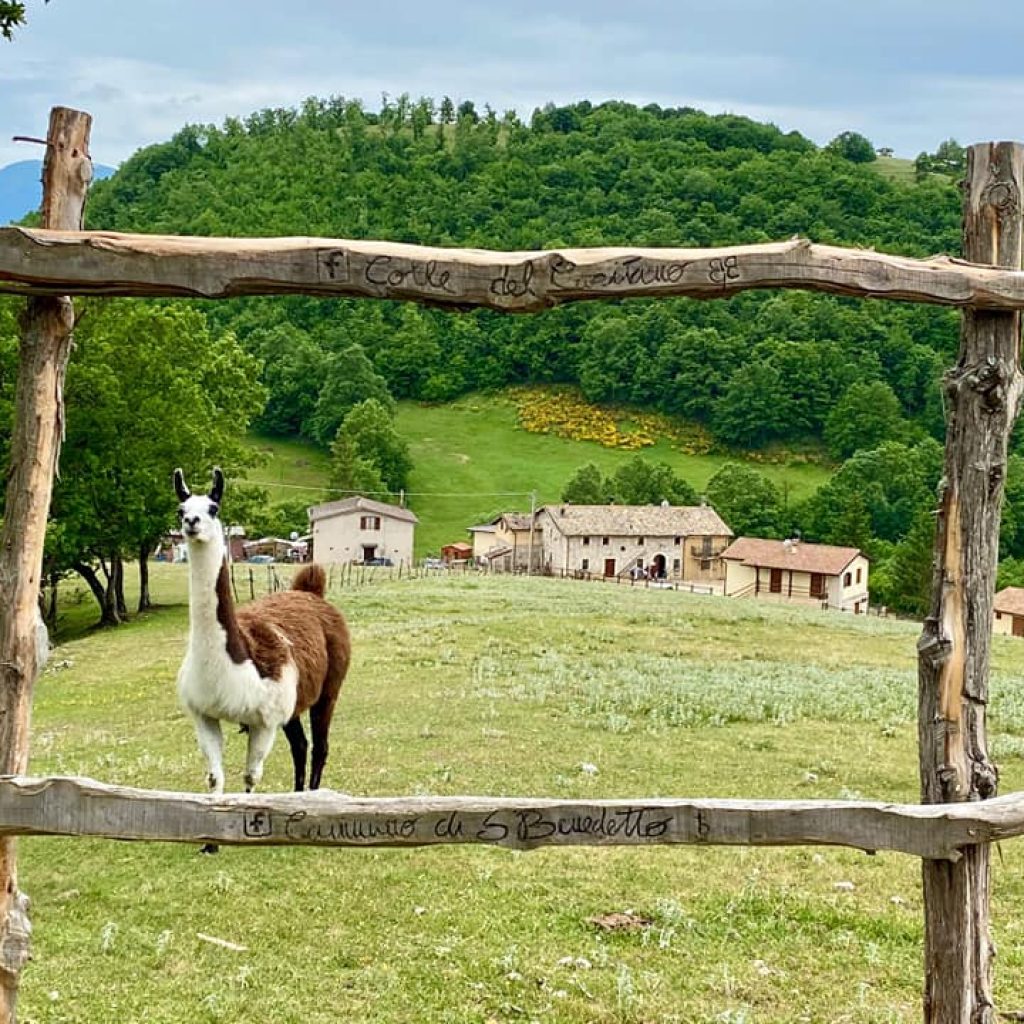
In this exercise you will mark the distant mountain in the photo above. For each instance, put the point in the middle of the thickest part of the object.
(21, 190)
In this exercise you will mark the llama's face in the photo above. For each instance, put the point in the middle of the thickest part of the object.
(198, 517)
(198, 512)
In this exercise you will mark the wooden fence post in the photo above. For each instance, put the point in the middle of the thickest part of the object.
(983, 393)
(35, 448)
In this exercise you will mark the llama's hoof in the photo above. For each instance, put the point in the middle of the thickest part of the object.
(209, 848)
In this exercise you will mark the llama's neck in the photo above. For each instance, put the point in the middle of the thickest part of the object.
(210, 605)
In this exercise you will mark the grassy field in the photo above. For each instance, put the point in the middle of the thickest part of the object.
(471, 462)
(499, 685)
(895, 168)
(290, 470)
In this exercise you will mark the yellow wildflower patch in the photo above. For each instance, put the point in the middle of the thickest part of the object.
(564, 412)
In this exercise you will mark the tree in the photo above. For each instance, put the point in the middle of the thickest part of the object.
(12, 16)
(350, 379)
(867, 414)
(751, 411)
(639, 482)
(587, 487)
(747, 500)
(372, 432)
(905, 581)
(853, 147)
(295, 372)
(149, 389)
(351, 473)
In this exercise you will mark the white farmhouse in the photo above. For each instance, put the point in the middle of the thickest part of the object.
(790, 570)
(361, 530)
(675, 542)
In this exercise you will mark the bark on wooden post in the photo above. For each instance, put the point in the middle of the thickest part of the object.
(35, 446)
(983, 397)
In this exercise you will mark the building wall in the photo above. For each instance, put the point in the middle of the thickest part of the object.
(1002, 623)
(749, 581)
(588, 554)
(483, 541)
(852, 597)
(339, 538)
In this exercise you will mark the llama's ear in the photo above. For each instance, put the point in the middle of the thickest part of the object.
(217, 490)
(180, 489)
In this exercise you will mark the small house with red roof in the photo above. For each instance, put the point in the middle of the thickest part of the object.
(790, 570)
(1008, 617)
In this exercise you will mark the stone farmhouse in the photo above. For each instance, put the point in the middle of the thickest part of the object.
(790, 570)
(361, 530)
(1008, 617)
(506, 542)
(674, 542)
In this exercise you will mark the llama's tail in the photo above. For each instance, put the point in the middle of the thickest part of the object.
(312, 579)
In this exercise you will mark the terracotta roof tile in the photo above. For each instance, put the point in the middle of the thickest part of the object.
(780, 554)
(359, 504)
(1010, 600)
(637, 520)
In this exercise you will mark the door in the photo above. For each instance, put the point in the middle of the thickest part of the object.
(817, 584)
(775, 584)
(369, 552)
(609, 567)
(1018, 625)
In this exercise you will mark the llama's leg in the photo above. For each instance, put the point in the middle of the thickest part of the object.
(320, 715)
(261, 739)
(211, 743)
(297, 741)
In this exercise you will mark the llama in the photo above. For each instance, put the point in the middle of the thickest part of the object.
(261, 665)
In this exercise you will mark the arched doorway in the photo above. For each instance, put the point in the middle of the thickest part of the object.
(658, 567)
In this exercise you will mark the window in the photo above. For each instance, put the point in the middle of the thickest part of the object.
(586, 542)
(604, 540)
(676, 541)
(705, 548)
(585, 564)
(847, 579)
(675, 566)
(858, 574)
(705, 563)
(640, 562)
(369, 522)
(640, 541)
(999, 615)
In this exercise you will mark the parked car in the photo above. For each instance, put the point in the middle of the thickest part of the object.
(260, 559)
(434, 563)
(379, 561)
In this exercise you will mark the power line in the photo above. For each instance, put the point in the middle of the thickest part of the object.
(433, 494)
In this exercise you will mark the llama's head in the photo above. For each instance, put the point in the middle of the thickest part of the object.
(198, 512)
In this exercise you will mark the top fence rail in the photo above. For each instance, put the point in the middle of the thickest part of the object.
(42, 262)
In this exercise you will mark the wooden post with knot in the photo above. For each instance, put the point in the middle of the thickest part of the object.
(983, 396)
(35, 447)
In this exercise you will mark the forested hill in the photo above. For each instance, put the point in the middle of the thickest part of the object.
(758, 368)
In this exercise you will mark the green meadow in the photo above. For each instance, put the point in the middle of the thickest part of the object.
(511, 686)
(472, 461)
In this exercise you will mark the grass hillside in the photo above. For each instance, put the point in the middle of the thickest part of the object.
(511, 686)
(471, 461)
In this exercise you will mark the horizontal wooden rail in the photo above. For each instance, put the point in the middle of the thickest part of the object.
(67, 806)
(38, 262)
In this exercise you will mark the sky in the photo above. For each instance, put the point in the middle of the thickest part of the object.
(905, 73)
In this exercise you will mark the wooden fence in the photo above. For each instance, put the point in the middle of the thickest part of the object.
(960, 815)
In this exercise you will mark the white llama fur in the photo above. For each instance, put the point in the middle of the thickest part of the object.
(212, 687)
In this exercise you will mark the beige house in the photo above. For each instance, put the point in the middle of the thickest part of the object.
(790, 570)
(506, 542)
(676, 542)
(1008, 619)
(361, 530)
